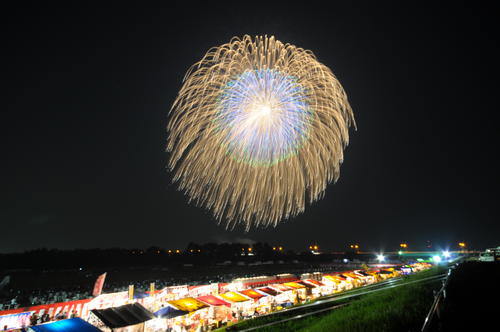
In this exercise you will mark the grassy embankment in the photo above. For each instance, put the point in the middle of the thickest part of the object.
(397, 309)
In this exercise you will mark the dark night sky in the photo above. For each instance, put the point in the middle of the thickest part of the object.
(86, 92)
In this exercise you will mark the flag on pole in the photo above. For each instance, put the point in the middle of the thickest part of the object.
(99, 283)
(131, 292)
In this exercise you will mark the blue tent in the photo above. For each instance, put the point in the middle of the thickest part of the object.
(169, 312)
(66, 325)
(140, 295)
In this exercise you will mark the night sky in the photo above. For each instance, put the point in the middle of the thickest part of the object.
(86, 94)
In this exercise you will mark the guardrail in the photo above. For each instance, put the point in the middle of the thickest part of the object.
(436, 305)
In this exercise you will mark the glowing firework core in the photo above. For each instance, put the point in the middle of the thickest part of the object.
(264, 116)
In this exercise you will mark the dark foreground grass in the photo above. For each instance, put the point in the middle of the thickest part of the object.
(398, 309)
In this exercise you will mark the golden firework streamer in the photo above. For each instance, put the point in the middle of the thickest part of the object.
(257, 130)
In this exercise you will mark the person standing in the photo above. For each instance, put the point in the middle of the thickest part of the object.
(45, 317)
(34, 319)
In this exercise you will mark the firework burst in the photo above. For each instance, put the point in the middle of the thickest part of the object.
(257, 131)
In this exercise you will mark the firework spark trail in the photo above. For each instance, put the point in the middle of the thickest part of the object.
(257, 131)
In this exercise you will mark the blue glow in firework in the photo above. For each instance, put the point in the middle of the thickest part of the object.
(264, 115)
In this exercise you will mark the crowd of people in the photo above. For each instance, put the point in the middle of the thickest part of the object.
(24, 298)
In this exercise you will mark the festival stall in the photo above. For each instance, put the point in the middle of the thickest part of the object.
(78, 308)
(15, 320)
(191, 306)
(309, 289)
(368, 279)
(253, 294)
(218, 313)
(268, 291)
(299, 291)
(285, 297)
(125, 318)
(334, 283)
(240, 304)
(163, 316)
(356, 280)
(188, 304)
(375, 275)
(213, 300)
(172, 293)
(66, 325)
(385, 274)
(200, 290)
(109, 300)
(320, 289)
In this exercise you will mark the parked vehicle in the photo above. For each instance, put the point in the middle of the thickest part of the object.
(490, 255)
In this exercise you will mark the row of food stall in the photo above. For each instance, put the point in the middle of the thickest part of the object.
(208, 305)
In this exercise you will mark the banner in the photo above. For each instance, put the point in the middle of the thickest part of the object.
(152, 289)
(78, 307)
(99, 283)
(4, 283)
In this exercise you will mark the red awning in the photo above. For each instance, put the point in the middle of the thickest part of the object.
(314, 282)
(212, 300)
(251, 293)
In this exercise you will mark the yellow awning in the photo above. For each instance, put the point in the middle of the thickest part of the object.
(233, 297)
(188, 304)
(294, 285)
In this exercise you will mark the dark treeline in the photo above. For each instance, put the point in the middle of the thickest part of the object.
(207, 253)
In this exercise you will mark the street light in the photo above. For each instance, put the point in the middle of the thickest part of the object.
(380, 258)
(436, 259)
(446, 254)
